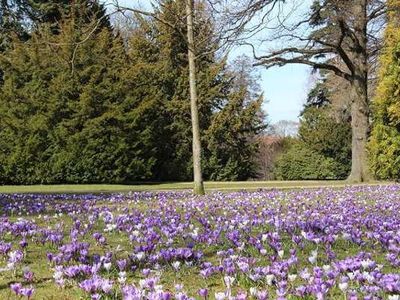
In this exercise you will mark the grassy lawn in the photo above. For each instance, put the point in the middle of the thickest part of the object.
(210, 186)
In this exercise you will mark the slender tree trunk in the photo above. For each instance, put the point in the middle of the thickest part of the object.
(360, 104)
(197, 172)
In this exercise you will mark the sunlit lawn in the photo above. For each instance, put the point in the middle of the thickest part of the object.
(210, 186)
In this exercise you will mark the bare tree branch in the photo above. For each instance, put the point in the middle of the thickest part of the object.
(280, 61)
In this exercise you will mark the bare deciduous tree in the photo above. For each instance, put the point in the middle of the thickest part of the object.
(333, 30)
(270, 147)
(285, 128)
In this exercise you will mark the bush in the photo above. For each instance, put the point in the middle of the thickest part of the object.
(323, 134)
(302, 163)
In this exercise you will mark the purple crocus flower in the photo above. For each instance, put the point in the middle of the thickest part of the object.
(27, 292)
(122, 263)
(203, 293)
(16, 288)
(28, 275)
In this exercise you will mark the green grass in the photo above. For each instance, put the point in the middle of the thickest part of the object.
(210, 186)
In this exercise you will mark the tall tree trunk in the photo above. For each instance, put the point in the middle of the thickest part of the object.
(197, 172)
(360, 103)
(360, 130)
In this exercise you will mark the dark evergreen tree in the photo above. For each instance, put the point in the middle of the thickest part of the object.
(67, 113)
(82, 11)
(318, 96)
(231, 138)
(79, 104)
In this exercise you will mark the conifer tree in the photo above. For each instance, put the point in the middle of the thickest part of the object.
(385, 138)
(175, 155)
(231, 137)
(79, 104)
(67, 113)
(162, 54)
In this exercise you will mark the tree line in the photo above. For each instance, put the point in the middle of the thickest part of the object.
(85, 100)
(322, 147)
(82, 102)
(349, 127)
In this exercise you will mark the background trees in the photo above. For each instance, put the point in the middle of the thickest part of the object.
(64, 114)
(78, 105)
(82, 102)
(323, 147)
(341, 37)
(231, 144)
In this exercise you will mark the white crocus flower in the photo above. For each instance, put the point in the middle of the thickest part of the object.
(292, 277)
(269, 278)
(343, 286)
(176, 265)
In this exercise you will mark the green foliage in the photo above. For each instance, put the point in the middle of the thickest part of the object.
(327, 137)
(231, 152)
(318, 96)
(230, 139)
(384, 144)
(323, 149)
(79, 108)
(302, 163)
(65, 111)
(230, 116)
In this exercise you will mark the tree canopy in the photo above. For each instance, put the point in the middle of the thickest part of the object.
(78, 107)
(385, 139)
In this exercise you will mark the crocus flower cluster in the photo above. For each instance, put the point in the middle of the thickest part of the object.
(268, 244)
(22, 291)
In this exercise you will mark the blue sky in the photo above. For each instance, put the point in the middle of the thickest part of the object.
(285, 88)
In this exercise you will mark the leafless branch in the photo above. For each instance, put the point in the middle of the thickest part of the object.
(273, 61)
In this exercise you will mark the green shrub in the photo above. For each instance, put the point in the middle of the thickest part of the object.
(302, 163)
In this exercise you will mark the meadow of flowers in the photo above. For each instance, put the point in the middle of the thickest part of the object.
(301, 244)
